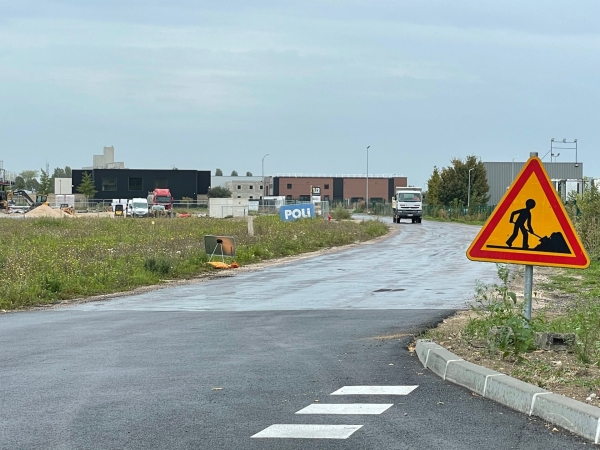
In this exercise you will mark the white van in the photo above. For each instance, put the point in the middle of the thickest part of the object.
(137, 207)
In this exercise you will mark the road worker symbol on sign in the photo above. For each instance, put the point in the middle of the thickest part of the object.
(530, 226)
(523, 217)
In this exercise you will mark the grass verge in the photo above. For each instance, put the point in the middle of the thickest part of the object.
(493, 332)
(48, 260)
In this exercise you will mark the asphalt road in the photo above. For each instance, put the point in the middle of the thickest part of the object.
(210, 365)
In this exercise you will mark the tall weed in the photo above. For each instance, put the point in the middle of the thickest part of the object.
(499, 319)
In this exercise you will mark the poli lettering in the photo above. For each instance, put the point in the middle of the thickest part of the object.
(294, 212)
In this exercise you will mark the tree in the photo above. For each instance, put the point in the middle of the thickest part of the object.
(218, 173)
(60, 173)
(248, 174)
(586, 224)
(29, 178)
(433, 187)
(45, 187)
(234, 173)
(87, 187)
(219, 192)
(19, 182)
(454, 185)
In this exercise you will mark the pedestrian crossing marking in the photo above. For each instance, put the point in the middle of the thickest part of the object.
(314, 431)
(343, 408)
(375, 390)
(295, 431)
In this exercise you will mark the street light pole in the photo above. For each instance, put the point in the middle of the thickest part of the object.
(469, 191)
(513, 170)
(367, 203)
(263, 172)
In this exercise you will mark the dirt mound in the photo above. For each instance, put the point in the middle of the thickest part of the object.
(555, 243)
(46, 211)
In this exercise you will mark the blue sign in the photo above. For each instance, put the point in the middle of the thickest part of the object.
(293, 212)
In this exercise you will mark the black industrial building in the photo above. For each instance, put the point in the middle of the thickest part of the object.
(130, 183)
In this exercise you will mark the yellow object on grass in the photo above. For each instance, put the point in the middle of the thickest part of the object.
(222, 265)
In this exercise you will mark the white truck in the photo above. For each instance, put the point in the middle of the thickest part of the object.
(137, 207)
(408, 204)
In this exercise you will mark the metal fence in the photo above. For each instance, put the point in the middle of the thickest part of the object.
(376, 207)
(98, 205)
(458, 212)
(199, 207)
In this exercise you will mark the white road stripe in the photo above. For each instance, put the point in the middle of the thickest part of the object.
(308, 431)
(375, 390)
(351, 408)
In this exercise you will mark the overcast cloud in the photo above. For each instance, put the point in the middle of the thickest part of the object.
(200, 85)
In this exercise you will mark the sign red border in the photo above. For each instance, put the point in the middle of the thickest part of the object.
(579, 259)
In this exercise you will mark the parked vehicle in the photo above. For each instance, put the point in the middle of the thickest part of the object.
(119, 210)
(39, 199)
(162, 197)
(137, 207)
(119, 201)
(408, 204)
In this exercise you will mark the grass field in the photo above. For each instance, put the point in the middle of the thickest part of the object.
(46, 260)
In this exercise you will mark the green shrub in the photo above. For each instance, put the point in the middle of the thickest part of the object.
(51, 285)
(158, 265)
(340, 213)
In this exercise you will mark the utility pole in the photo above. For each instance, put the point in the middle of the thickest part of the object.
(263, 172)
(367, 202)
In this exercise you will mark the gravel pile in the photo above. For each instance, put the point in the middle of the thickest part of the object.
(46, 211)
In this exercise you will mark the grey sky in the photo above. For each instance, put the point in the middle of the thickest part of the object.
(200, 85)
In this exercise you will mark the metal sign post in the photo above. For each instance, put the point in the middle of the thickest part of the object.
(528, 292)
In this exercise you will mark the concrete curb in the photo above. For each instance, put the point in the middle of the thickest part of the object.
(577, 417)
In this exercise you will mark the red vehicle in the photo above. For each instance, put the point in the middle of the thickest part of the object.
(162, 197)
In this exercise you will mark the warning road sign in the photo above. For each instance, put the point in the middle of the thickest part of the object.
(530, 226)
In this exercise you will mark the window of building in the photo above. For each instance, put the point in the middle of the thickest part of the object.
(239, 187)
(261, 186)
(239, 196)
(109, 183)
(304, 198)
(326, 186)
(161, 183)
(326, 198)
(289, 185)
(251, 197)
(251, 187)
(288, 197)
(135, 184)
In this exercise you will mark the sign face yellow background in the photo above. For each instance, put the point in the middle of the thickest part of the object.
(539, 217)
(543, 219)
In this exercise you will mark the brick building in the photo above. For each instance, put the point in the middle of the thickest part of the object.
(338, 188)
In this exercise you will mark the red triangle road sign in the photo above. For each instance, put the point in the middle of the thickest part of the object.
(530, 226)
